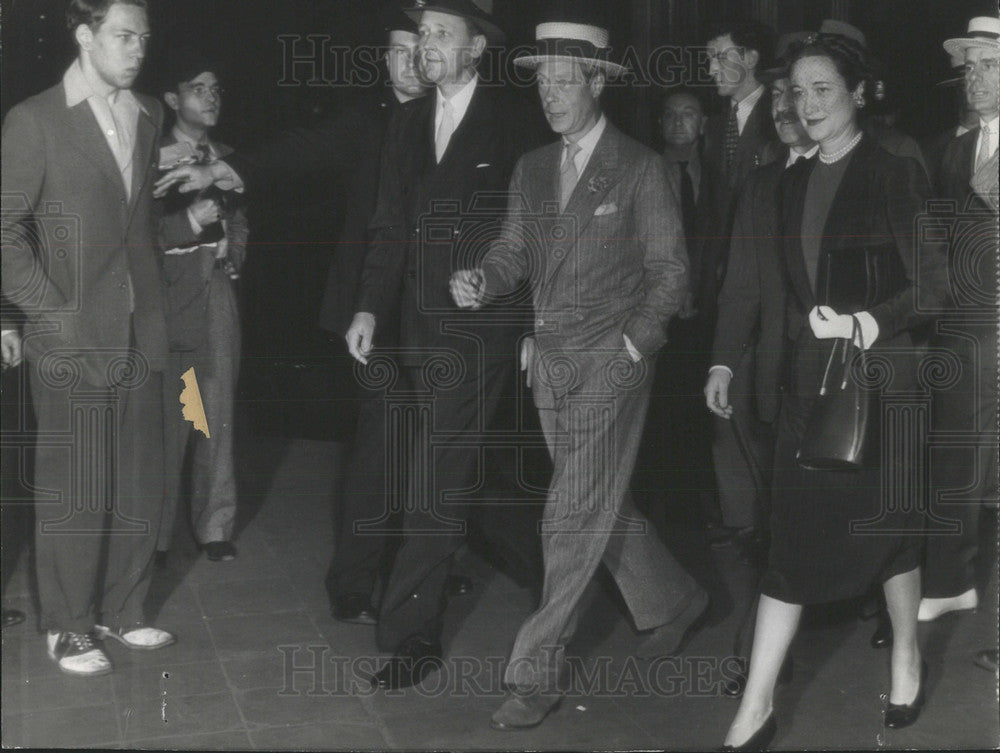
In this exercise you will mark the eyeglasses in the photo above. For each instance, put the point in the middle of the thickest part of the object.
(201, 91)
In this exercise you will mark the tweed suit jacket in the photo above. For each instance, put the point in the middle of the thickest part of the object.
(612, 264)
(73, 284)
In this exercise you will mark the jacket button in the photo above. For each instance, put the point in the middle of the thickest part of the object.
(539, 322)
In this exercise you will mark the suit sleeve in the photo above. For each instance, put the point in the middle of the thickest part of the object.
(906, 191)
(385, 260)
(297, 153)
(660, 231)
(506, 264)
(22, 160)
(238, 233)
(739, 299)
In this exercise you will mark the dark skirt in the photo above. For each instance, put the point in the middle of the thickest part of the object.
(832, 534)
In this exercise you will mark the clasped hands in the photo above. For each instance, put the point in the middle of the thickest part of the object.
(468, 288)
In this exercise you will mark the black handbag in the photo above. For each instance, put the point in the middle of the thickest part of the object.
(836, 432)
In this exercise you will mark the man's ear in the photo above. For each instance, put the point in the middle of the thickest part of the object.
(751, 58)
(478, 46)
(701, 125)
(84, 36)
(172, 101)
(597, 83)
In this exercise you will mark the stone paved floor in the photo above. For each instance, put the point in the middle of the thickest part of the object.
(228, 683)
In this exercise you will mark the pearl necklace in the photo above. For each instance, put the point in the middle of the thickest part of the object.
(829, 159)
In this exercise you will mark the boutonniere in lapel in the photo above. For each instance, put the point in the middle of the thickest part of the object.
(599, 182)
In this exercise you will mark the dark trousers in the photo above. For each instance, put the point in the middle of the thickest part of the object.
(742, 452)
(367, 504)
(436, 472)
(963, 479)
(98, 498)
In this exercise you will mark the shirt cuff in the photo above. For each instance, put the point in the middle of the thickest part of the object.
(6, 332)
(228, 179)
(635, 354)
(721, 367)
(869, 329)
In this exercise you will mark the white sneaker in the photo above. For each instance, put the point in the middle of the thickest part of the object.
(931, 609)
(139, 639)
(77, 654)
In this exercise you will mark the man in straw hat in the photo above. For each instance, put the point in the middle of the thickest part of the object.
(968, 176)
(596, 232)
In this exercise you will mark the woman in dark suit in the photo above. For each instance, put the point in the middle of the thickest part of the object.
(855, 199)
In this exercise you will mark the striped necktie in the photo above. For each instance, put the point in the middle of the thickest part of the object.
(732, 140)
(568, 175)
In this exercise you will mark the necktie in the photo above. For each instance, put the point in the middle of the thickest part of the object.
(687, 200)
(732, 140)
(204, 154)
(984, 148)
(568, 175)
(445, 129)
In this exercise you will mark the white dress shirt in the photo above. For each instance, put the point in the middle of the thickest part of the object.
(991, 142)
(795, 152)
(587, 145)
(745, 106)
(459, 104)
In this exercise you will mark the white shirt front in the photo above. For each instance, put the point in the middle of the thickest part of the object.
(794, 153)
(745, 107)
(459, 104)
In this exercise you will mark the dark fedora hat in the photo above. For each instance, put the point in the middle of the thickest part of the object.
(464, 9)
(392, 18)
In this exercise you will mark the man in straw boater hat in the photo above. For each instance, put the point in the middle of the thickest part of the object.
(968, 176)
(596, 232)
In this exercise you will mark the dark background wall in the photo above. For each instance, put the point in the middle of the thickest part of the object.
(292, 243)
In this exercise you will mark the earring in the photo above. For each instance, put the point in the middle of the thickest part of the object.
(859, 100)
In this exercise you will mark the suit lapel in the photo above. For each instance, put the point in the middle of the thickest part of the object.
(793, 196)
(142, 156)
(85, 133)
(602, 172)
(543, 177)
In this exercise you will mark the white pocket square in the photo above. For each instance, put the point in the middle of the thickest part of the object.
(605, 209)
(483, 164)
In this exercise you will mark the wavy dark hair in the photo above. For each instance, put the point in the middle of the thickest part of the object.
(93, 12)
(853, 61)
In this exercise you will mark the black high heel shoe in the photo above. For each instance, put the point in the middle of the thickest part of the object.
(882, 637)
(759, 740)
(899, 715)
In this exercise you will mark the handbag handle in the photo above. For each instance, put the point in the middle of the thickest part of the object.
(856, 334)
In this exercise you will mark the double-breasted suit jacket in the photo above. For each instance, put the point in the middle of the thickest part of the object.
(432, 218)
(96, 239)
(613, 264)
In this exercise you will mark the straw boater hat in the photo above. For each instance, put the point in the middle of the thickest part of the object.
(984, 31)
(464, 9)
(580, 42)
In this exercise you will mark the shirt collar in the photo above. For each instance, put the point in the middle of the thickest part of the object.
(748, 102)
(183, 137)
(589, 140)
(460, 100)
(78, 89)
(794, 155)
(991, 123)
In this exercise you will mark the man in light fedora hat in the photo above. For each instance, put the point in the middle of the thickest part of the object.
(596, 232)
(968, 176)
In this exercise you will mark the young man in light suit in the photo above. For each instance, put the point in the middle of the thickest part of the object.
(81, 158)
(594, 229)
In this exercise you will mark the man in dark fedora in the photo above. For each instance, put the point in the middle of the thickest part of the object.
(604, 279)
(446, 155)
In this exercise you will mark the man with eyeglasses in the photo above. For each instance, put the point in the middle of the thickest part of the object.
(205, 236)
(736, 142)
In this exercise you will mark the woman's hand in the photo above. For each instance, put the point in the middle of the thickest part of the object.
(827, 323)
